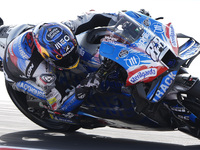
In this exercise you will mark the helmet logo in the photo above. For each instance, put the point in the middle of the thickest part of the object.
(58, 57)
(53, 33)
(62, 42)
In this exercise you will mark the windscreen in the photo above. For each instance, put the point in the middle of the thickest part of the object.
(126, 30)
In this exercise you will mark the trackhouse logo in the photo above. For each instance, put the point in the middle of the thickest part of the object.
(164, 86)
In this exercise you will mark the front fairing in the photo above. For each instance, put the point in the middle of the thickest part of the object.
(165, 32)
(142, 58)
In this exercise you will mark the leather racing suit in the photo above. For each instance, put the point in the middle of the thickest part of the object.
(28, 72)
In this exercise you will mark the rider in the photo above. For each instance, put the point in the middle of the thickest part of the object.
(31, 59)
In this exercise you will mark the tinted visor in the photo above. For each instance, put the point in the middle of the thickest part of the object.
(68, 61)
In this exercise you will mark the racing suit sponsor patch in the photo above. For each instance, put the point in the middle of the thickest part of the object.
(27, 87)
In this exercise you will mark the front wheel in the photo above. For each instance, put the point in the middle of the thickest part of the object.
(20, 100)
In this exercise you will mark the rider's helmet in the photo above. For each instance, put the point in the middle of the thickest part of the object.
(57, 45)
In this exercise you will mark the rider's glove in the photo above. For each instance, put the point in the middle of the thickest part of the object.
(91, 81)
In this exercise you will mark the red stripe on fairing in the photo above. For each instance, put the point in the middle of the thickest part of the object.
(160, 70)
(13, 57)
(175, 49)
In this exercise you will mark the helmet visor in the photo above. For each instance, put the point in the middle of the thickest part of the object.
(69, 61)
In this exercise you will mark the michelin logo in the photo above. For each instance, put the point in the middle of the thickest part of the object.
(172, 36)
(152, 72)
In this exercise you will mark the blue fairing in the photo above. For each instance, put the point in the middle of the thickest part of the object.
(133, 57)
(158, 92)
(155, 26)
(186, 51)
(111, 51)
(189, 49)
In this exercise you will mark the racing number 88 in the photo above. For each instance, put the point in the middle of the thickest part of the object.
(155, 48)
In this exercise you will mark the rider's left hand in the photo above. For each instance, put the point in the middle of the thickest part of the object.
(92, 80)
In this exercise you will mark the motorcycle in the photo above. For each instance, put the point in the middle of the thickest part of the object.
(143, 54)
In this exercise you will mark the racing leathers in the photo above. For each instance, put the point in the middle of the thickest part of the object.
(28, 72)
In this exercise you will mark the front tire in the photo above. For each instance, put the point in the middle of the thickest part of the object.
(19, 99)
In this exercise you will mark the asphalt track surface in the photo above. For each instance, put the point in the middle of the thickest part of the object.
(17, 131)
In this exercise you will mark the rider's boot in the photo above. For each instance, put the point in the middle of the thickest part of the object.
(70, 104)
(67, 111)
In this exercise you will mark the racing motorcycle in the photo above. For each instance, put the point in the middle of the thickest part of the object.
(146, 66)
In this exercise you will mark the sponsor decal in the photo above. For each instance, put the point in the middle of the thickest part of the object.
(29, 70)
(62, 42)
(63, 119)
(151, 72)
(164, 86)
(190, 52)
(110, 39)
(157, 27)
(143, 39)
(53, 33)
(21, 50)
(179, 109)
(16, 48)
(123, 53)
(26, 87)
(185, 117)
(132, 61)
(147, 22)
(172, 36)
(155, 48)
(48, 78)
(70, 103)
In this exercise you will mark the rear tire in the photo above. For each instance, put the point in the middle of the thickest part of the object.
(19, 99)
